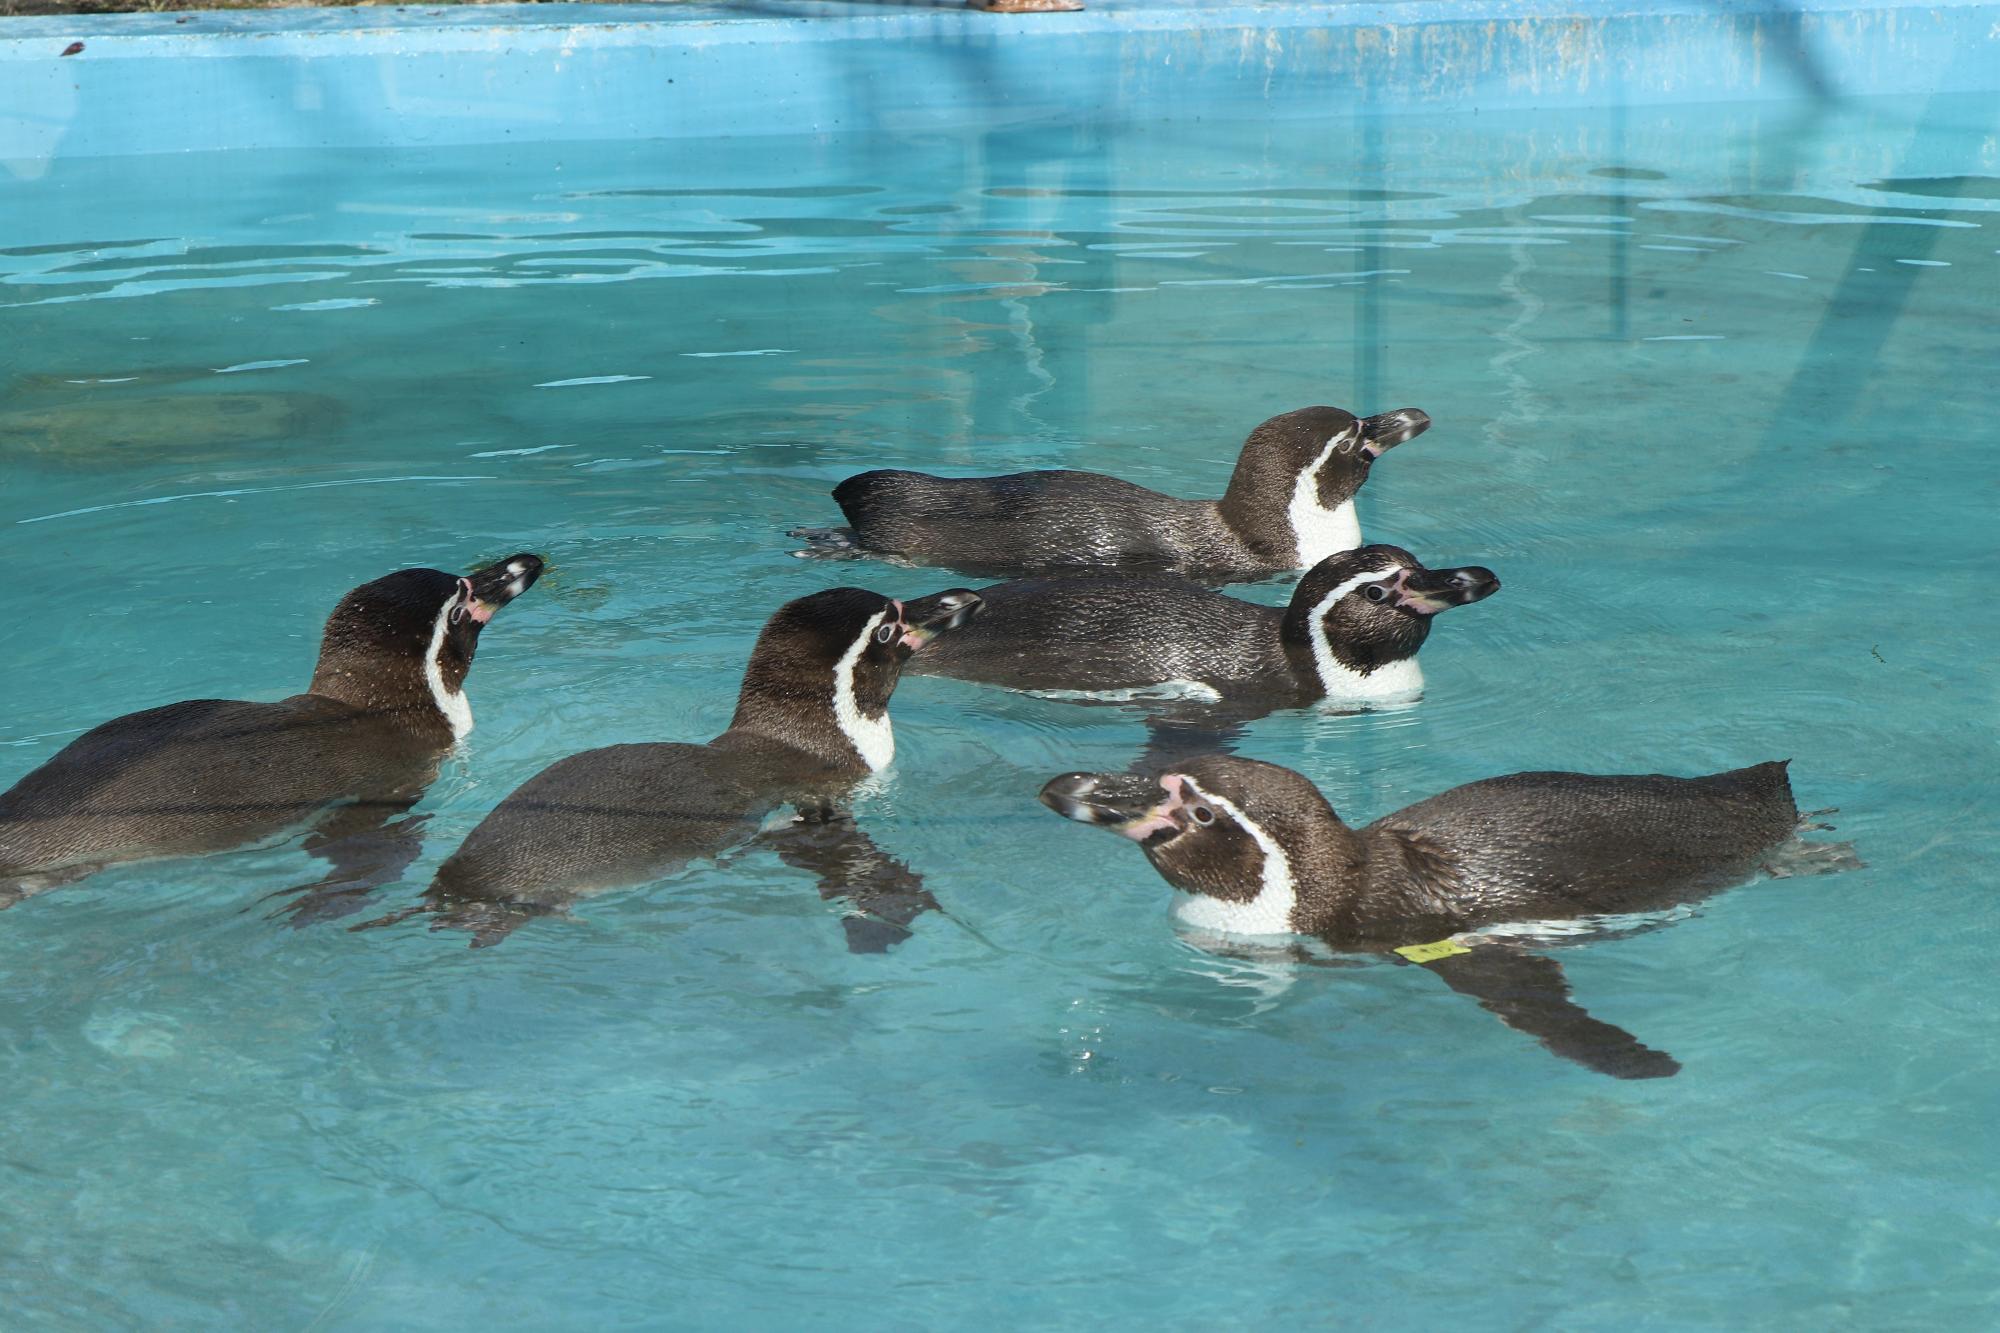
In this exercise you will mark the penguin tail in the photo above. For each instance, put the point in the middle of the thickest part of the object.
(1798, 858)
(826, 543)
(487, 923)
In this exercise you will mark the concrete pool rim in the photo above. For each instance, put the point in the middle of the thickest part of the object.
(414, 77)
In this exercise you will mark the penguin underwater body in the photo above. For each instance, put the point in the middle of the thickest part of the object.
(811, 721)
(357, 748)
(1289, 505)
(1349, 634)
(1256, 850)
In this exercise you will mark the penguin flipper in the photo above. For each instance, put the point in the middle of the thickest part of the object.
(365, 847)
(1528, 992)
(885, 895)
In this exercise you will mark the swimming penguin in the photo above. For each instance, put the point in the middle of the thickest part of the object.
(1289, 505)
(1350, 634)
(811, 720)
(359, 747)
(1256, 850)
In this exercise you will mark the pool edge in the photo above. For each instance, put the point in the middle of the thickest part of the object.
(392, 78)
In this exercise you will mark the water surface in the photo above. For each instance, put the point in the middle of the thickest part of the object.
(1714, 395)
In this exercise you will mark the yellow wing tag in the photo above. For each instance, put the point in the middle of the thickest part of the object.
(1430, 953)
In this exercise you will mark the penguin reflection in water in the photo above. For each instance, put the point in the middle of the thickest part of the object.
(811, 721)
(358, 748)
(1255, 850)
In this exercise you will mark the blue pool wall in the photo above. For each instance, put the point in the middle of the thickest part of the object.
(397, 78)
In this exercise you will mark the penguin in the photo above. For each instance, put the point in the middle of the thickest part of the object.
(811, 721)
(1289, 505)
(386, 701)
(1255, 849)
(1349, 635)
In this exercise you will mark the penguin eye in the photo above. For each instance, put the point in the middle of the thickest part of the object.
(885, 633)
(1203, 815)
(1375, 593)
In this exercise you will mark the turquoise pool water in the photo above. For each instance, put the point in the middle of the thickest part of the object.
(1714, 395)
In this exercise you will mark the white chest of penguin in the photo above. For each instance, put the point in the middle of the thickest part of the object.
(1318, 531)
(1392, 681)
(1270, 912)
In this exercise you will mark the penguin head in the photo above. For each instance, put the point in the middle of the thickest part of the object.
(1251, 838)
(1298, 469)
(406, 640)
(1359, 610)
(837, 655)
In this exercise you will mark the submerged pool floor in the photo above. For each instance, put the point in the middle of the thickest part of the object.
(1713, 395)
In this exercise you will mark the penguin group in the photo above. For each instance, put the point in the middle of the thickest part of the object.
(1109, 590)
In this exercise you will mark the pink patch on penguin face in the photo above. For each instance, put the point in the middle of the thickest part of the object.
(1160, 819)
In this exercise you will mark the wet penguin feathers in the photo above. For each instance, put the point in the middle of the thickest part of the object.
(1454, 882)
(405, 641)
(1289, 504)
(1328, 446)
(1349, 634)
(375, 643)
(1528, 846)
(811, 720)
(1360, 610)
(803, 641)
(385, 702)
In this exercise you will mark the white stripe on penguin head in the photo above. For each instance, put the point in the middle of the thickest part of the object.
(872, 737)
(1400, 679)
(1317, 531)
(455, 707)
(1270, 912)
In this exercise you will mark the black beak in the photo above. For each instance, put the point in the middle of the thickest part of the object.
(1116, 800)
(937, 614)
(1429, 591)
(1385, 430)
(501, 582)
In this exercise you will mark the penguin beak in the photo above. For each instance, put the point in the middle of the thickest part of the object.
(1128, 804)
(1426, 592)
(927, 617)
(489, 589)
(1385, 430)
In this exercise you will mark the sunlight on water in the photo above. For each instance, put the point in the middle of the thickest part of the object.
(1713, 395)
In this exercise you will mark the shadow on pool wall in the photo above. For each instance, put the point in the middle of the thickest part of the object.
(492, 74)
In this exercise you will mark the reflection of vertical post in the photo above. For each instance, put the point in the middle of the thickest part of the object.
(1367, 395)
(1368, 309)
(1844, 351)
(1046, 209)
(1621, 232)
(959, 384)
